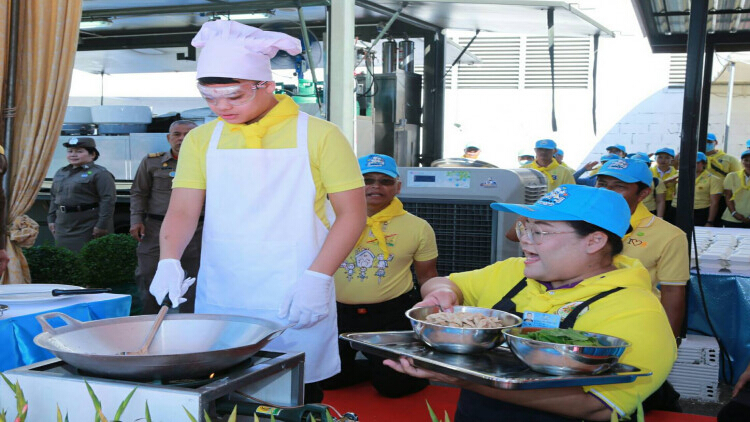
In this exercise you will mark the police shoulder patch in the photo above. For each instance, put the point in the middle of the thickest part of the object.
(156, 154)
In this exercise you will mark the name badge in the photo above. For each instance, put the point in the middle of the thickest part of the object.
(540, 320)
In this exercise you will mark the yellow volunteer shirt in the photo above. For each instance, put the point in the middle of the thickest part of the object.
(667, 175)
(633, 314)
(556, 174)
(333, 164)
(366, 276)
(721, 164)
(705, 185)
(650, 200)
(661, 247)
(734, 182)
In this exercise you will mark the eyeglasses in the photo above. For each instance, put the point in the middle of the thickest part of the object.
(236, 95)
(382, 182)
(532, 232)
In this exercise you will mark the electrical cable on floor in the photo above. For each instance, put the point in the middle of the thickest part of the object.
(722, 349)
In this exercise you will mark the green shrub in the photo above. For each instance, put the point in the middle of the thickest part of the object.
(56, 265)
(110, 260)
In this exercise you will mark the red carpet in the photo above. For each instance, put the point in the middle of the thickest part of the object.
(370, 406)
(659, 416)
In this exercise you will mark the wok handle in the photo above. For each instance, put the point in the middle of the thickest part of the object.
(60, 292)
(42, 319)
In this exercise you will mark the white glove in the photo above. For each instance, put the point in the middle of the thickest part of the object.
(169, 278)
(308, 300)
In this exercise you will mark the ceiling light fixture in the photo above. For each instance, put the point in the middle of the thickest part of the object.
(92, 24)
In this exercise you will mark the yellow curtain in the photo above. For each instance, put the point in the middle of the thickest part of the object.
(47, 41)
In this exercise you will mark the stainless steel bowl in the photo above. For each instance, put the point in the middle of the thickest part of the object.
(460, 340)
(565, 359)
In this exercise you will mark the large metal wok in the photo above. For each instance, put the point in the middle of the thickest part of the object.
(186, 346)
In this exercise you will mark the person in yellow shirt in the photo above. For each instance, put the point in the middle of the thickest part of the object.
(374, 286)
(472, 151)
(667, 174)
(270, 176)
(720, 164)
(559, 157)
(661, 247)
(574, 274)
(737, 195)
(708, 190)
(655, 202)
(556, 174)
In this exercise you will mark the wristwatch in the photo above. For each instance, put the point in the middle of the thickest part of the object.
(733, 213)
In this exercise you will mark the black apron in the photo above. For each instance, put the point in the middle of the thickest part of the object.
(476, 407)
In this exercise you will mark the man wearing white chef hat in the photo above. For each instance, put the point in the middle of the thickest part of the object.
(266, 172)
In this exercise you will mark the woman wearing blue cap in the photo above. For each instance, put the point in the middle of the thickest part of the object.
(708, 191)
(573, 274)
(737, 194)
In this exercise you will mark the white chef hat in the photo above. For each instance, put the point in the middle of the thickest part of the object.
(233, 50)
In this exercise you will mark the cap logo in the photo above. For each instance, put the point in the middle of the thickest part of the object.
(619, 165)
(73, 141)
(553, 198)
(375, 161)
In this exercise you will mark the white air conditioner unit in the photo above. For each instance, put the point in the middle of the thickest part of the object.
(456, 202)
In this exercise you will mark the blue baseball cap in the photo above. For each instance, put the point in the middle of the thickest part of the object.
(601, 207)
(378, 163)
(700, 157)
(641, 156)
(629, 170)
(747, 144)
(668, 151)
(618, 146)
(745, 153)
(607, 157)
(711, 137)
(545, 144)
(560, 152)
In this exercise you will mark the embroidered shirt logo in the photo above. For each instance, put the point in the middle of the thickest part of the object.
(565, 310)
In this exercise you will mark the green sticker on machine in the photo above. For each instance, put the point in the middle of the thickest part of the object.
(267, 410)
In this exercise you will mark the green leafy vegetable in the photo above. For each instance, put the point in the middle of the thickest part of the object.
(562, 336)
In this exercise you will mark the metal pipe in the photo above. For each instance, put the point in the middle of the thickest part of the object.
(730, 91)
(308, 53)
(691, 114)
(9, 111)
(382, 32)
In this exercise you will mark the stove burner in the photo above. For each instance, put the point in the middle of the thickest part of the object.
(185, 382)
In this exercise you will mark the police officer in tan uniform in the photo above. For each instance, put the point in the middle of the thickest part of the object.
(82, 197)
(149, 200)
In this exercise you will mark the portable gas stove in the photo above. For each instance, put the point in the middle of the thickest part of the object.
(267, 377)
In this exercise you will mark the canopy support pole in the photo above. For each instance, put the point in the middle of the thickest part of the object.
(730, 93)
(691, 108)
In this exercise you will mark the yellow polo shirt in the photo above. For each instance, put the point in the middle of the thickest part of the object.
(556, 174)
(661, 247)
(333, 164)
(366, 276)
(706, 184)
(650, 200)
(723, 161)
(633, 314)
(667, 175)
(734, 182)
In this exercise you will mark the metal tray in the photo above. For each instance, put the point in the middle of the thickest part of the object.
(497, 368)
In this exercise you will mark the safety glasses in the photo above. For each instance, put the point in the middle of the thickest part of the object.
(234, 95)
(382, 182)
(533, 233)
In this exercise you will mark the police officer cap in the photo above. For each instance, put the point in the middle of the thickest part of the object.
(80, 142)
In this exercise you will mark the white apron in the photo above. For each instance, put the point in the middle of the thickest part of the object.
(260, 233)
